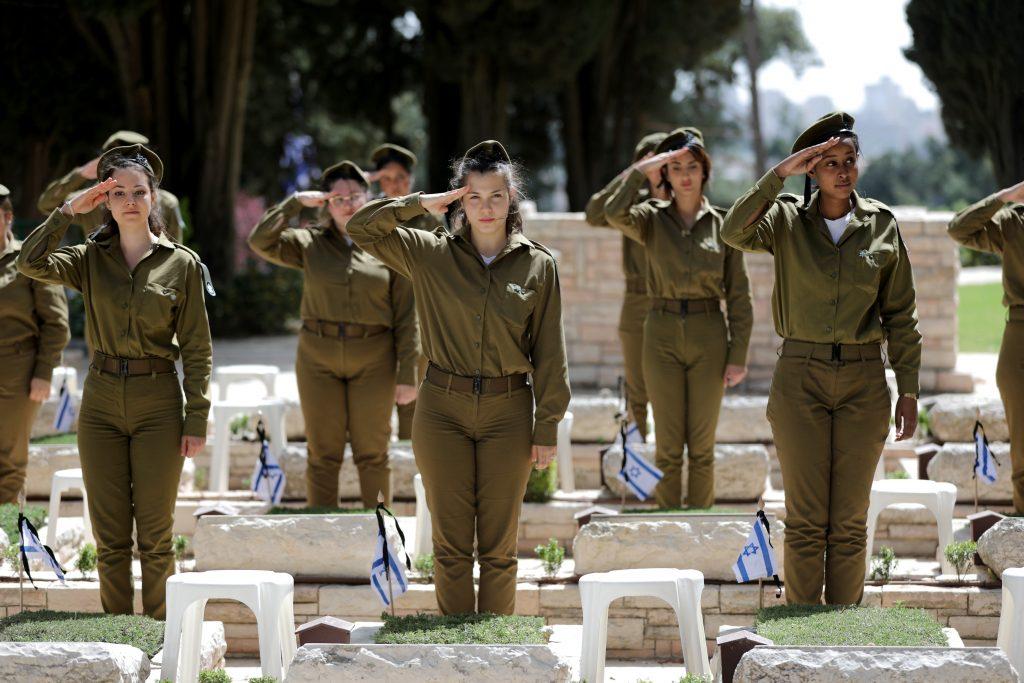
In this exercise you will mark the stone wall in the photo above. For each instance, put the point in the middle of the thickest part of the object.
(592, 283)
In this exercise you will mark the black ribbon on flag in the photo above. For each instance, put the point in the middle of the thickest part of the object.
(768, 536)
(381, 508)
(22, 522)
(984, 437)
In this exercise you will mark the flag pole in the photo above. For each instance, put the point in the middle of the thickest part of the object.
(21, 543)
(760, 581)
(387, 560)
(977, 416)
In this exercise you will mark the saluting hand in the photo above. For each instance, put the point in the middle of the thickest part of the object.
(541, 456)
(438, 203)
(656, 161)
(405, 394)
(87, 200)
(313, 199)
(90, 169)
(803, 161)
(905, 417)
(373, 176)
(192, 446)
(1014, 193)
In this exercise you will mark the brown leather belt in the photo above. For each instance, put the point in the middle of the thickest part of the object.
(1016, 314)
(831, 352)
(685, 306)
(326, 328)
(23, 346)
(130, 367)
(476, 385)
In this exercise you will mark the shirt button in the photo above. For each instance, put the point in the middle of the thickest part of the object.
(476, 344)
(477, 316)
(828, 329)
(124, 305)
(832, 302)
(834, 275)
(483, 291)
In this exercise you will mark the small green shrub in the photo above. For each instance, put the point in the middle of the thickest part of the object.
(462, 629)
(882, 564)
(263, 679)
(551, 555)
(424, 565)
(180, 544)
(86, 560)
(48, 626)
(961, 556)
(542, 484)
(214, 676)
(318, 510)
(199, 478)
(12, 556)
(714, 510)
(924, 422)
(9, 519)
(897, 474)
(68, 438)
(238, 424)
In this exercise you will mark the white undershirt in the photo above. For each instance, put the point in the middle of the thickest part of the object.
(837, 227)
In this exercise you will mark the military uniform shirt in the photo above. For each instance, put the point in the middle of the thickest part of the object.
(686, 263)
(860, 291)
(60, 190)
(478, 320)
(996, 226)
(342, 283)
(30, 309)
(634, 256)
(156, 311)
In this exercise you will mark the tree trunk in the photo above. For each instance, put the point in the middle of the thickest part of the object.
(752, 56)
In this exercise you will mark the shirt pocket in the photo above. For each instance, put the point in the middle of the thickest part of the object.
(869, 265)
(516, 306)
(709, 264)
(158, 308)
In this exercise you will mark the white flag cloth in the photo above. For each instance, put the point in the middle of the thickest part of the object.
(64, 419)
(757, 559)
(268, 479)
(984, 462)
(33, 549)
(385, 563)
(639, 475)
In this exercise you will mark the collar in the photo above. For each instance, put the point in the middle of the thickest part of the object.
(13, 246)
(860, 207)
(705, 208)
(107, 238)
(515, 241)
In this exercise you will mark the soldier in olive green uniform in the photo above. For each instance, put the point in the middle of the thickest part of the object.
(144, 308)
(843, 285)
(691, 352)
(490, 314)
(996, 224)
(635, 302)
(33, 332)
(358, 325)
(83, 176)
(393, 166)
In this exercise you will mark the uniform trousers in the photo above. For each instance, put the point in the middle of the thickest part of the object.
(17, 413)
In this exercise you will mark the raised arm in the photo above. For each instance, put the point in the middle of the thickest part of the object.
(60, 189)
(622, 210)
(272, 238)
(980, 225)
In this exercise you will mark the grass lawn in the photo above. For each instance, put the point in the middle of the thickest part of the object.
(45, 626)
(71, 438)
(824, 625)
(281, 510)
(462, 629)
(981, 318)
(682, 511)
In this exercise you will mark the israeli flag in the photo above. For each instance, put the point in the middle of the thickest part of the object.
(64, 420)
(33, 549)
(984, 462)
(268, 479)
(757, 559)
(385, 569)
(639, 475)
(630, 436)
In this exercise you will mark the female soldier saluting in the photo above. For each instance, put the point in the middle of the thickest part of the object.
(490, 313)
(843, 284)
(358, 324)
(690, 354)
(144, 307)
(996, 224)
(33, 332)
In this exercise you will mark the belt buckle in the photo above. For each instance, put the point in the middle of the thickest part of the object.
(837, 353)
(122, 369)
(684, 308)
(478, 384)
(342, 331)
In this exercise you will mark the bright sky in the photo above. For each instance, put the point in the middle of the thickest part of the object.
(869, 46)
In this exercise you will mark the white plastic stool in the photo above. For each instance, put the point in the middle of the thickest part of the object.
(680, 588)
(268, 594)
(273, 410)
(64, 480)
(566, 473)
(937, 496)
(1010, 638)
(228, 374)
(60, 374)
(422, 544)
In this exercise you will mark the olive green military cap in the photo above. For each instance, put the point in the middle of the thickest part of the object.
(838, 123)
(343, 170)
(686, 136)
(4, 192)
(123, 138)
(488, 149)
(388, 152)
(648, 143)
(137, 153)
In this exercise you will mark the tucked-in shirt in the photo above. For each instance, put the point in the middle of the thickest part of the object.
(477, 319)
(634, 256)
(65, 187)
(859, 291)
(341, 282)
(837, 226)
(31, 310)
(996, 226)
(686, 262)
(157, 310)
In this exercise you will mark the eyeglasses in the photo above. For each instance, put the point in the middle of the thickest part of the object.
(350, 199)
